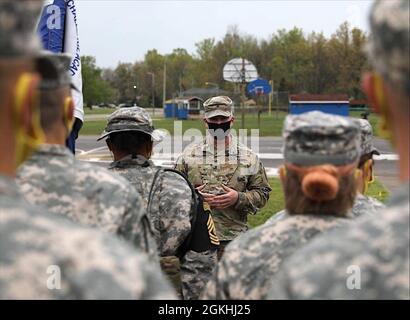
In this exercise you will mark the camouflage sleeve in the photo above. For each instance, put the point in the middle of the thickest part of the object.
(110, 269)
(49, 257)
(365, 205)
(136, 227)
(365, 260)
(180, 165)
(170, 211)
(279, 289)
(215, 288)
(158, 288)
(117, 272)
(256, 194)
(196, 271)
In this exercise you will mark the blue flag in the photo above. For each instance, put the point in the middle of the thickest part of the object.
(58, 30)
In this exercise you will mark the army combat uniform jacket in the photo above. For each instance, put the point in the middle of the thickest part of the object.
(85, 193)
(250, 260)
(45, 256)
(365, 260)
(170, 214)
(236, 167)
(365, 205)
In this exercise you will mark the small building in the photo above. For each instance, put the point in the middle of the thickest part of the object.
(182, 107)
(204, 93)
(329, 103)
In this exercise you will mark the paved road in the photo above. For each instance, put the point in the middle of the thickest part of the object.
(268, 148)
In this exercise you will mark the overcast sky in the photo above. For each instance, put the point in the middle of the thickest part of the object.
(114, 31)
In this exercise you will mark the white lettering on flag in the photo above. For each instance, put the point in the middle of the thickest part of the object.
(72, 46)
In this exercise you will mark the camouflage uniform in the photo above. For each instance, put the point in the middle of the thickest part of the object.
(375, 248)
(253, 258)
(388, 47)
(32, 241)
(85, 193)
(366, 138)
(170, 206)
(378, 247)
(235, 166)
(366, 204)
(363, 205)
(92, 265)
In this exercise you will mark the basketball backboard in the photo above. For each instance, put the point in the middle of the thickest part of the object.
(239, 70)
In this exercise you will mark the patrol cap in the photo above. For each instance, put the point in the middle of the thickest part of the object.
(18, 35)
(131, 119)
(388, 45)
(54, 70)
(315, 138)
(218, 106)
(366, 141)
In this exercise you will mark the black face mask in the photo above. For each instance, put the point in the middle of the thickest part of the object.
(219, 130)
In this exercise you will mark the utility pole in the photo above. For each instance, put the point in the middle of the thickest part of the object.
(153, 92)
(180, 86)
(270, 96)
(243, 83)
(164, 86)
(136, 94)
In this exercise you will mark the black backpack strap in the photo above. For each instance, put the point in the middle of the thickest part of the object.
(203, 234)
(193, 193)
(152, 186)
(185, 178)
(200, 226)
(184, 247)
(159, 171)
(186, 244)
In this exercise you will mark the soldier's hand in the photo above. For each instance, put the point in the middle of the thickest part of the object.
(225, 200)
(206, 196)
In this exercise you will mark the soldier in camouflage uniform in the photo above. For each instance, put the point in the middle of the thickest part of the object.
(321, 153)
(370, 259)
(230, 177)
(52, 177)
(365, 204)
(43, 256)
(131, 134)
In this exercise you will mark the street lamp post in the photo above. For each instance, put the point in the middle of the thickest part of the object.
(153, 92)
(136, 95)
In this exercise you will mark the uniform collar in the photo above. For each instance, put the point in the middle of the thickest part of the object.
(129, 161)
(209, 145)
(53, 149)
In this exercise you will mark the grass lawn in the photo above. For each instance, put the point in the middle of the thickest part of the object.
(276, 201)
(275, 204)
(98, 111)
(92, 127)
(269, 125)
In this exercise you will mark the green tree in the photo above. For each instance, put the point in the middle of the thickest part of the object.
(95, 88)
(297, 62)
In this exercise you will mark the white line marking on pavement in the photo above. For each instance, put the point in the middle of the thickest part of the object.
(94, 155)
